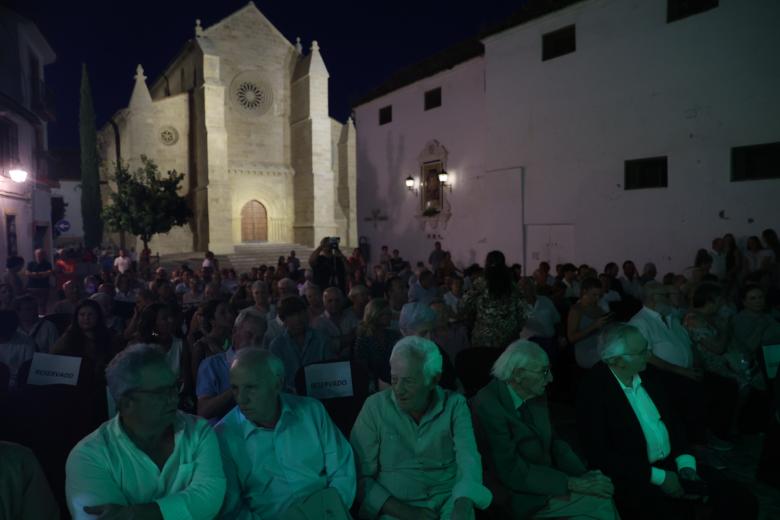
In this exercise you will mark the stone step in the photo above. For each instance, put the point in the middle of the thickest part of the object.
(243, 259)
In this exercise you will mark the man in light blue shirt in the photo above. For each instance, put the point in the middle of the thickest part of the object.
(299, 345)
(280, 450)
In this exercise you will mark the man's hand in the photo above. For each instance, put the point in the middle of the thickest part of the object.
(403, 511)
(595, 484)
(463, 509)
(671, 485)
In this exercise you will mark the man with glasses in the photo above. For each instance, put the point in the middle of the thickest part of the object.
(150, 461)
(630, 430)
(545, 478)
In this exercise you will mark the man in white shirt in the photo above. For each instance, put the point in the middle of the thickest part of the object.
(669, 344)
(629, 430)
(150, 461)
(280, 451)
(122, 262)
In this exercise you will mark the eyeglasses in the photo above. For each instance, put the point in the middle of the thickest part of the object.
(543, 372)
(163, 392)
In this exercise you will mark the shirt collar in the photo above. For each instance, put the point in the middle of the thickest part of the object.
(436, 406)
(636, 381)
(248, 427)
(517, 401)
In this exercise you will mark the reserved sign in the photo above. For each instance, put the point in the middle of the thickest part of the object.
(49, 369)
(329, 380)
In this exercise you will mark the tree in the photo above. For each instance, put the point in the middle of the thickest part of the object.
(146, 202)
(90, 179)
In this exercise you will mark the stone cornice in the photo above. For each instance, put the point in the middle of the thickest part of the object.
(261, 170)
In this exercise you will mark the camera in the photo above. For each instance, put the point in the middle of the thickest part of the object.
(333, 242)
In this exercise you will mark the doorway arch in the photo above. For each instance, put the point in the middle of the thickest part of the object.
(254, 222)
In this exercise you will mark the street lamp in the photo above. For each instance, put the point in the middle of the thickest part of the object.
(443, 178)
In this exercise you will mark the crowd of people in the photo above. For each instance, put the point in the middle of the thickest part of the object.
(192, 383)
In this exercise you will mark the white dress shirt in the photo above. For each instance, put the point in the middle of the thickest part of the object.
(666, 337)
(270, 469)
(654, 430)
(106, 467)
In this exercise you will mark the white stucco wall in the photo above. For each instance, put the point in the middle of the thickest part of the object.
(387, 154)
(70, 191)
(638, 87)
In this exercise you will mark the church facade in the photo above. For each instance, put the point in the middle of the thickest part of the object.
(243, 112)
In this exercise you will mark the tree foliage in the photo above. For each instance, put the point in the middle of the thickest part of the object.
(146, 202)
(90, 178)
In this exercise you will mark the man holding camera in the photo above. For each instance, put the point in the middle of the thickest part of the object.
(328, 265)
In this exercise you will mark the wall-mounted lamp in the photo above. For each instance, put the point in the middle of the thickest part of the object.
(443, 179)
(18, 175)
(410, 183)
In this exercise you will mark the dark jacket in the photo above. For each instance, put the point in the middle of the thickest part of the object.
(526, 456)
(610, 433)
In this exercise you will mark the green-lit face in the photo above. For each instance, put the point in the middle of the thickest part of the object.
(409, 386)
(530, 382)
(256, 391)
(152, 404)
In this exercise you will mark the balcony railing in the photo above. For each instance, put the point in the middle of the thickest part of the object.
(43, 101)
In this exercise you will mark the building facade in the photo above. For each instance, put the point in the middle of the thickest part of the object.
(243, 113)
(613, 130)
(25, 109)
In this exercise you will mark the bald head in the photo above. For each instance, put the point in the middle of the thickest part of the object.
(256, 378)
(258, 361)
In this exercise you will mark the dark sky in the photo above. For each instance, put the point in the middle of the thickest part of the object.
(363, 43)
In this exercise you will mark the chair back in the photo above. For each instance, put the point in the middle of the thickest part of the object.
(341, 386)
(473, 367)
(5, 377)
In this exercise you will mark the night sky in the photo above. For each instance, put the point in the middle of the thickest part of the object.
(363, 43)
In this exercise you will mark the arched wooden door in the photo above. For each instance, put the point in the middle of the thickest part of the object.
(254, 222)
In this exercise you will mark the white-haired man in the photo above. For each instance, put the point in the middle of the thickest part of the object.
(545, 478)
(150, 461)
(630, 431)
(414, 444)
(282, 454)
(215, 398)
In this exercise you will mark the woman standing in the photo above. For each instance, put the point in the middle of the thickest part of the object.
(494, 305)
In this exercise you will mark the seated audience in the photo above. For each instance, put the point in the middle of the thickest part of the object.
(454, 295)
(299, 345)
(585, 321)
(106, 301)
(216, 322)
(282, 454)
(158, 327)
(6, 297)
(630, 431)
(423, 290)
(753, 326)
(375, 341)
(14, 265)
(452, 336)
(213, 385)
(359, 296)
(24, 492)
(43, 332)
(88, 338)
(630, 281)
(542, 318)
(72, 297)
(337, 322)
(397, 295)
(420, 320)
(150, 460)
(570, 283)
(261, 296)
(545, 478)
(414, 444)
(15, 347)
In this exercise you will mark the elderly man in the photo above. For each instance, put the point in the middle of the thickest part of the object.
(262, 307)
(630, 431)
(299, 345)
(215, 398)
(150, 461)
(544, 476)
(414, 444)
(359, 295)
(283, 456)
(423, 290)
(337, 322)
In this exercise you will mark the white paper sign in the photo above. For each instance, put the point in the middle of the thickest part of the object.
(48, 369)
(328, 380)
(772, 360)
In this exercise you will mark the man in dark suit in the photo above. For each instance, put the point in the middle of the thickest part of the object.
(629, 431)
(544, 477)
